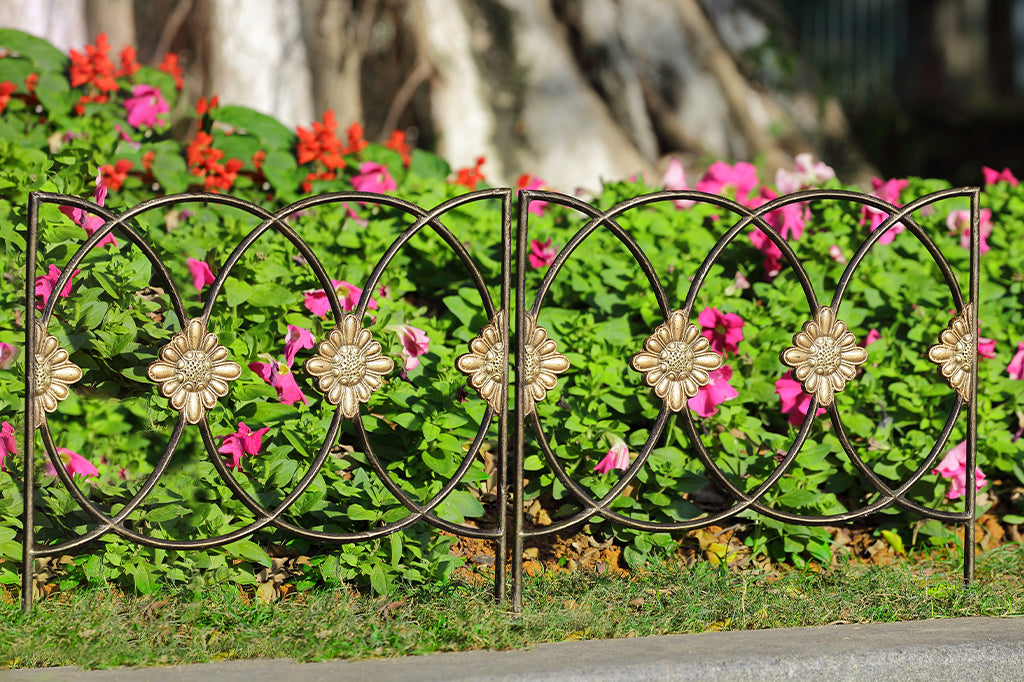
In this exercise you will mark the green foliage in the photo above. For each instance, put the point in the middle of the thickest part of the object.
(598, 309)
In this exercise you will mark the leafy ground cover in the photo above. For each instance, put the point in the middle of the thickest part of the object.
(103, 627)
(122, 134)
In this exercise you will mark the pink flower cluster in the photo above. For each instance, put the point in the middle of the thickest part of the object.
(7, 444)
(279, 374)
(91, 223)
(243, 442)
(542, 254)
(317, 302)
(954, 467)
(617, 456)
(724, 331)
(74, 464)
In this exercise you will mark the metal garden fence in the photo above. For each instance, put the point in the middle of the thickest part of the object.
(194, 370)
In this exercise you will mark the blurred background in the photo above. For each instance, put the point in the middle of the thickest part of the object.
(575, 91)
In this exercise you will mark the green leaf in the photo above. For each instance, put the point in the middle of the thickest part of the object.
(44, 55)
(145, 581)
(459, 505)
(269, 131)
(248, 550)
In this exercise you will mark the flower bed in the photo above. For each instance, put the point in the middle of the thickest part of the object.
(122, 135)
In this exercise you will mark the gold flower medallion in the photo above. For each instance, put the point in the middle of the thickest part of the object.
(53, 374)
(349, 366)
(824, 356)
(193, 371)
(486, 361)
(676, 361)
(541, 363)
(956, 352)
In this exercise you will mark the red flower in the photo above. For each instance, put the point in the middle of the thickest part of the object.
(94, 67)
(203, 106)
(6, 88)
(258, 158)
(170, 66)
(321, 144)
(356, 143)
(128, 64)
(468, 177)
(114, 176)
(397, 142)
(147, 160)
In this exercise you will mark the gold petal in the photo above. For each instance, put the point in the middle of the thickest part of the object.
(318, 366)
(676, 398)
(382, 364)
(68, 373)
(855, 355)
(469, 363)
(160, 371)
(208, 398)
(707, 361)
(333, 393)
(794, 356)
(193, 409)
(169, 388)
(824, 394)
(801, 372)
(645, 362)
(690, 386)
(58, 391)
(228, 371)
(46, 343)
(178, 399)
(218, 386)
(349, 405)
(193, 335)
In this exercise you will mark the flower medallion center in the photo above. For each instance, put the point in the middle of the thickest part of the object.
(531, 365)
(826, 355)
(193, 370)
(494, 362)
(676, 360)
(44, 374)
(349, 366)
(964, 351)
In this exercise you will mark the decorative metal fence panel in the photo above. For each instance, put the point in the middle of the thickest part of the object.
(193, 370)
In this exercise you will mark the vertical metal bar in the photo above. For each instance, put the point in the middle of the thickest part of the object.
(501, 543)
(970, 503)
(519, 453)
(28, 530)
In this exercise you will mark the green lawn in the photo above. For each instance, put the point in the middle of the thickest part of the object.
(101, 628)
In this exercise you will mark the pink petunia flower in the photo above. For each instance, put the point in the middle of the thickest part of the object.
(1016, 367)
(7, 355)
(281, 378)
(675, 179)
(45, 284)
(316, 300)
(959, 223)
(772, 253)
(954, 467)
(145, 106)
(721, 178)
(373, 177)
(789, 220)
(986, 348)
(8, 445)
(836, 254)
(243, 442)
(723, 330)
(992, 176)
(617, 456)
(295, 340)
(886, 191)
(718, 390)
(74, 463)
(542, 254)
(527, 181)
(414, 344)
(795, 402)
(872, 336)
(91, 223)
(806, 174)
(201, 273)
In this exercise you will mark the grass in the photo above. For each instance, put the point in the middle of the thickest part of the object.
(102, 628)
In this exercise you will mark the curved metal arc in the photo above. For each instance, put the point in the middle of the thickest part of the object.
(598, 218)
(426, 511)
(904, 215)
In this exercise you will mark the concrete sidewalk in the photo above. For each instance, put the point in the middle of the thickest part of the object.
(955, 649)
